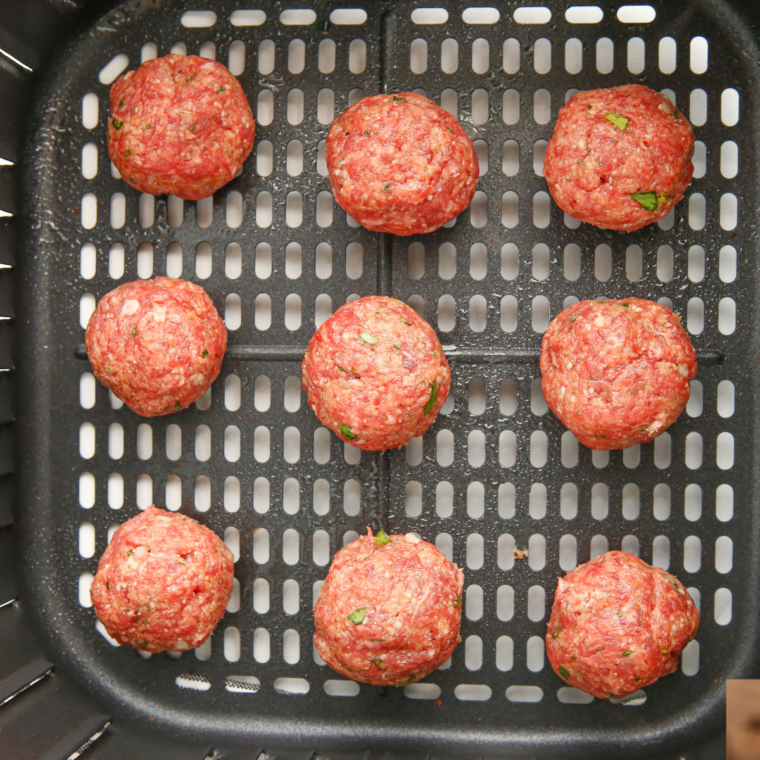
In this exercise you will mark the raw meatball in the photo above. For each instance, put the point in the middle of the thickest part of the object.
(375, 373)
(616, 373)
(618, 624)
(389, 610)
(180, 125)
(400, 164)
(157, 344)
(619, 158)
(163, 582)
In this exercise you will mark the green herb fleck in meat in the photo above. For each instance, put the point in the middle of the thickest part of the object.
(407, 681)
(117, 124)
(346, 431)
(121, 102)
(205, 352)
(580, 163)
(387, 186)
(187, 79)
(149, 126)
(405, 322)
(134, 331)
(433, 398)
(367, 338)
(398, 100)
(664, 650)
(381, 539)
(449, 128)
(555, 634)
(377, 662)
(458, 601)
(619, 121)
(108, 584)
(130, 553)
(377, 639)
(127, 153)
(192, 129)
(563, 672)
(589, 107)
(619, 614)
(357, 616)
(626, 654)
(395, 346)
(648, 201)
(177, 406)
(220, 91)
(366, 132)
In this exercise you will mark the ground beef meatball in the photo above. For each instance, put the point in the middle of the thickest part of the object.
(163, 582)
(179, 124)
(389, 610)
(618, 624)
(157, 344)
(375, 373)
(400, 164)
(616, 373)
(619, 158)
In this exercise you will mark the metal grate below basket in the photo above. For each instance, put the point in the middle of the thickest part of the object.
(496, 472)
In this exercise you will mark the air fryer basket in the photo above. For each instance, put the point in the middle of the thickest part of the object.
(495, 472)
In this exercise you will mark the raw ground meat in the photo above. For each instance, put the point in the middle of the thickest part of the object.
(400, 164)
(375, 373)
(163, 582)
(617, 373)
(157, 344)
(610, 144)
(618, 624)
(389, 610)
(180, 125)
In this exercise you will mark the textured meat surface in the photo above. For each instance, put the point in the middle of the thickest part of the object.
(163, 582)
(408, 598)
(592, 165)
(179, 125)
(371, 371)
(618, 624)
(400, 164)
(616, 373)
(157, 344)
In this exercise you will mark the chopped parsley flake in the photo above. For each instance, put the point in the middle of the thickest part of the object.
(367, 338)
(177, 406)
(626, 654)
(395, 346)
(580, 163)
(117, 124)
(408, 680)
(619, 121)
(626, 303)
(346, 431)
(555, 634)
(192, 129)
(381, 539)
(387, 185)
(357, 616)
(130, 553)
(398, 100)
(121, 102)
(449, 128)
(366, 132)
(563, 672)
(619, 614)
(376, 661)
(433, 397)
(220, 91)
(127, 153)
(405, 322)
(664, 650)
(205, 352)
(648, 201)
(134, 331)
(187, 79)
(149, 126)
(458, 601)
(108, 584)
(377, 639)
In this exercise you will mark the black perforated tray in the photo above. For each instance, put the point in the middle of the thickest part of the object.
(495, 471)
